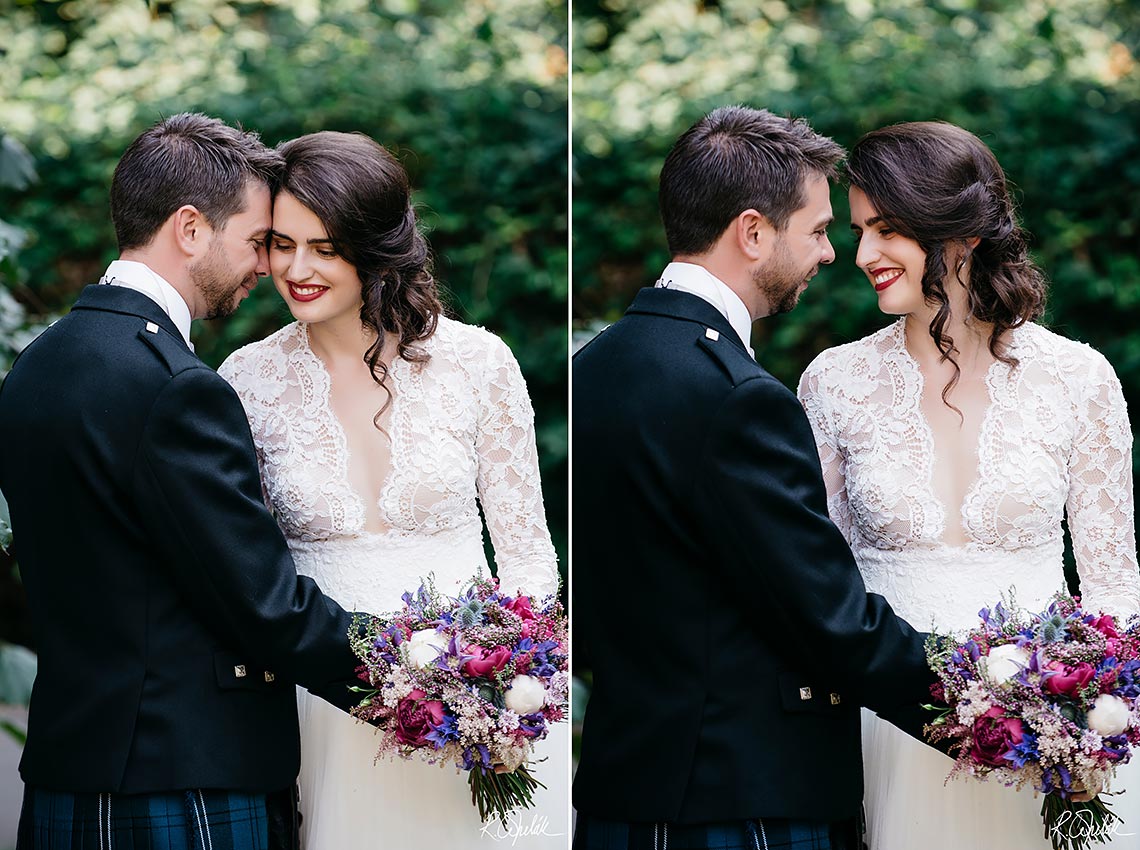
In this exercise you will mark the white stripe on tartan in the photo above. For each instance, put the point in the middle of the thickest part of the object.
(206, 818)
(109, 838)
(100, 829)
(197, 817)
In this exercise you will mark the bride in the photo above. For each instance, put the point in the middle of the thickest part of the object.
(953, 441)
(379, 423)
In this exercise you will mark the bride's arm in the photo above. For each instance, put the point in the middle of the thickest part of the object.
(510, 489)
(236, 377)
(814, 399)
(1100, 502)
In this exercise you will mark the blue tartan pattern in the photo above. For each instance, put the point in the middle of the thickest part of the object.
(183, 820)
(592, 833)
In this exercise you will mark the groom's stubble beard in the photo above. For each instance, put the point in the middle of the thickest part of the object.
(780, 280)
(216, 283)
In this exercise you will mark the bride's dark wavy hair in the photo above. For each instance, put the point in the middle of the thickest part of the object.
(360, 193)
(941, 186)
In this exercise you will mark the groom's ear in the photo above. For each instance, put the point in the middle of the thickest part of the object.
(753, 234)
(191, 230)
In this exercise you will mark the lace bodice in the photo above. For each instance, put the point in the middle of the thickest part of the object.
(461, 429)
(1054, 441)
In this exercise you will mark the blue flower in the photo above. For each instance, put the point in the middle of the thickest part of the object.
(532, 725)
(447, 730)
(477, 756)
(1023, 752)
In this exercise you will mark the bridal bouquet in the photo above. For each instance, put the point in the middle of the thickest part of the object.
(472, 680)
(1048, 699)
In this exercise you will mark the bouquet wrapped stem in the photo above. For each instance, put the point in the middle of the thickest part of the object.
(1070, 825)
(497, 794)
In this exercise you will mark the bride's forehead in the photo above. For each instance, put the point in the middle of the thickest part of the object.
(294, 219)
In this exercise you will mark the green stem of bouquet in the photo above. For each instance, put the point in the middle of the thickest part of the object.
(499, 794)
(1075, 826)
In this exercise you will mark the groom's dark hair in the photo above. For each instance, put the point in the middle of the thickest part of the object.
(186, 159)
(738, 158)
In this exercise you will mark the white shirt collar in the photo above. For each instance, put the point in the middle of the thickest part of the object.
(699, 281)
(141, 278)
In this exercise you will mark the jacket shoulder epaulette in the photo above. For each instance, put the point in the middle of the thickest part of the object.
(729, 356)
(172, 352)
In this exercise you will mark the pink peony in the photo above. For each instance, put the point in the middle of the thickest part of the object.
(994, 736)
(1069, 679)
(416, 717)
(1106, 625)
(485, 663)
(521, 606)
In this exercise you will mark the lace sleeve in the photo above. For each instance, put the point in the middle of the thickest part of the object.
(1099, 506)
(813, 397)
(510, 490)
(233, 375)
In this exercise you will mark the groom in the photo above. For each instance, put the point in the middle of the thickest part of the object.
(169, 618)
(729, 632)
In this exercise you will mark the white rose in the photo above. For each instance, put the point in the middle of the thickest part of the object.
(526, 695)
(1109, 715)
(1003, 663)
(424, 647)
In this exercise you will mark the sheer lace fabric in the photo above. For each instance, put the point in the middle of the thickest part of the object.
(1054, 442)
(461, 429)
(462, 434)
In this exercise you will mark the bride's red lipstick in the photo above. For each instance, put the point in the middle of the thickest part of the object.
(879, 287)
(307, 296)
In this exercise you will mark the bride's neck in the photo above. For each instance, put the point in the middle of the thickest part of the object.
(342, 340)
(971, 338)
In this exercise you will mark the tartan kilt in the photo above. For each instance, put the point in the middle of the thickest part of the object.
(592, 833)
(180, 820)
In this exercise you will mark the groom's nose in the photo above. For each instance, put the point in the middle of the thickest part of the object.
(262, 260)
(828, 252)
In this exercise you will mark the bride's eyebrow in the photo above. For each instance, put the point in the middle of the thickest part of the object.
(277, 234)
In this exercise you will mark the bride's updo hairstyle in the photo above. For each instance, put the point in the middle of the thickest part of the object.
(941, 186)
(360, 193)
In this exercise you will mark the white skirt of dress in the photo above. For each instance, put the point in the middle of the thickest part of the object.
(910, 806)
(351, 800)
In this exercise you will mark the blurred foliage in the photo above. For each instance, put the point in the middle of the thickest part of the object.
(472, 96)
(1052, 86)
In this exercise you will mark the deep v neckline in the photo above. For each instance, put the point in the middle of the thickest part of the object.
(323, 401)
(926, 432)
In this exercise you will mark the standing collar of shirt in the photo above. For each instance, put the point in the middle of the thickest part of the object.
(699, 281)
(141, 278)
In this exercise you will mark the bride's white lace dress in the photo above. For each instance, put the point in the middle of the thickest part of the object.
(461, 429)
(1054, 441)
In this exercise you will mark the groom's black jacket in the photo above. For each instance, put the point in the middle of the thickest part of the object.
(168, 617)
(729, 632)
